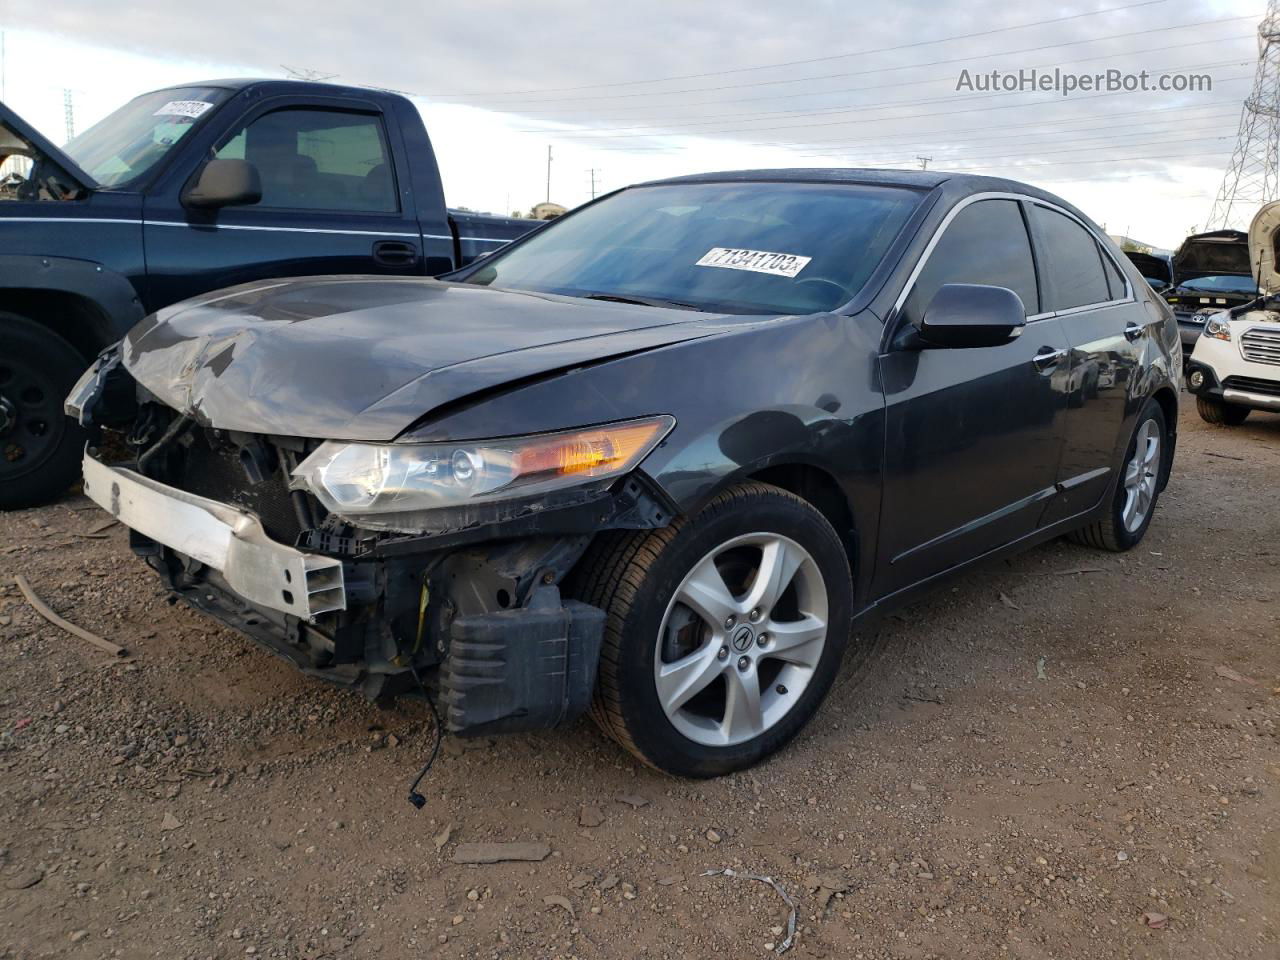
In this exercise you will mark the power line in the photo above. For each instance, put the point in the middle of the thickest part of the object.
(838, 56)
(910, 83)
(769, 114)
(914, 116)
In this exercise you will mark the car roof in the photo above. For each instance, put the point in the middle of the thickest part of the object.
(955, 184)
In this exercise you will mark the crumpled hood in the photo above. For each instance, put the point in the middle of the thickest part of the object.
(362, 358)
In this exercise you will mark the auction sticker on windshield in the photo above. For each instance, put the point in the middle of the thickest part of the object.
(183, 108)
(757, 261)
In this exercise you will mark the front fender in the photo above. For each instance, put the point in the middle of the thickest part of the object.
(117, 304)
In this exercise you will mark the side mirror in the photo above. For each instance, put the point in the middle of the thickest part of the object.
(225, 183)
(971, 315)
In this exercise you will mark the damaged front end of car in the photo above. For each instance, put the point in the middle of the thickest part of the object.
(375, 564)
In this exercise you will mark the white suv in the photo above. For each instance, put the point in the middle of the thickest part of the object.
(1235, 366)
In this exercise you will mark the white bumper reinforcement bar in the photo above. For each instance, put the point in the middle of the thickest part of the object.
(229, 540)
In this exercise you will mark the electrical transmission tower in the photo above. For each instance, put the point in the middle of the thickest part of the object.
(1252, 177)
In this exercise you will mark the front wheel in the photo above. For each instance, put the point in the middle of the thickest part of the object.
(1134, 502)
(40, 447)
(1221, 413)
(724, 631)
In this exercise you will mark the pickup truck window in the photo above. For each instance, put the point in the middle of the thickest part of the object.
(757, 247)
(318, 160)
(129, 142)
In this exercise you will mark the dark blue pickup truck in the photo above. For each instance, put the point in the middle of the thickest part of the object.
(188, 190)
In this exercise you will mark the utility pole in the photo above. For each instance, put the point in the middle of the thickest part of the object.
(548, 173)
(69, 113)
(592, 171)
(924, 162)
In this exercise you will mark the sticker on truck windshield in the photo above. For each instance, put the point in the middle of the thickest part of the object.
(757, 261)
(183, 108)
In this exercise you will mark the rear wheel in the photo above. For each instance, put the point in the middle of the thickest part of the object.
(1220, 412)
(40, 447)
(1136, 494)
(724, 631)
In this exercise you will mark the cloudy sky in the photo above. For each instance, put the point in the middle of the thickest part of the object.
(657, 87)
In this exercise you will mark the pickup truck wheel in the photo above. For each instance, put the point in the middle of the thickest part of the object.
(40, 447)
(1134, 502)
(724, 631)
(1221, 413)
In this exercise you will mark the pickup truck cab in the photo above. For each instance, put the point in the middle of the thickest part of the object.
(186, 190)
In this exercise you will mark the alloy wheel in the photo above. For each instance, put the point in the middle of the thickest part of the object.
(741, 639)
(1141, 474)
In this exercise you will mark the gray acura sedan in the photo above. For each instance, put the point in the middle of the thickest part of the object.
(653, 460)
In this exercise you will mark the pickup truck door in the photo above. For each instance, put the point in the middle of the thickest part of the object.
(336, 199)
(973, 436)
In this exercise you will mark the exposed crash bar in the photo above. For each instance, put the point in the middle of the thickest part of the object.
(220, 536)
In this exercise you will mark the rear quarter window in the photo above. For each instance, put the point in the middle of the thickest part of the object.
(1070, 260)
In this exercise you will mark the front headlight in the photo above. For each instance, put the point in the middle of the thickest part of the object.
(385, 485)
(1218, 326)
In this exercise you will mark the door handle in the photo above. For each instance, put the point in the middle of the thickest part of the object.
(394, 253)
(1132, 331)
(1048, 357)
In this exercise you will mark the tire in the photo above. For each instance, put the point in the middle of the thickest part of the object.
(40, 447)
(1221, 413)
(1121, 530)
(635, 579)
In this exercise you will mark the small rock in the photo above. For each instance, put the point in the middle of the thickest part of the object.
(591, 816)
(170, 822)
(714, 836)
(919, 788)
(62, 728)
(609, 882)
(473, 894)
(1154, 920)
(633, 800)
(562, 902)
(1122, 856)
(457, 919)
(393, 740)
(79, 935)
(181, 740)
(24, 879)
(579, 881)
(237, 933)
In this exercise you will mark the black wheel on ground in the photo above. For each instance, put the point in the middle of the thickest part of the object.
(40, 447)
(1220, 412)
(1138, 491)
(724, 631)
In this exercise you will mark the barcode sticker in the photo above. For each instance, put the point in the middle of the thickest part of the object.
(756, 261)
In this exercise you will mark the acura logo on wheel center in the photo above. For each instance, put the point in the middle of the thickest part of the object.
(743, 639)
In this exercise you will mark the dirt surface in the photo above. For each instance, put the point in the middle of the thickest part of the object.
(1038, 759)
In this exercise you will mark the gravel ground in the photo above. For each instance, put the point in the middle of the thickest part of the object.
(1042, 762)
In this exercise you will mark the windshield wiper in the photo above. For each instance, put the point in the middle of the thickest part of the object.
(644, 301)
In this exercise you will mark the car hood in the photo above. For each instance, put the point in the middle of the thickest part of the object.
(363, 358)
(1217, 254)
(14, 131)
(1263, 234)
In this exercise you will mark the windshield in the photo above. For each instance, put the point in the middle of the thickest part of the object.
(727, 247)
(1224, 284)
(132, 140)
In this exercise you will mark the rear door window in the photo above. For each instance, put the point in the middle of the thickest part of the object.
(986, 243)
(1070, 260)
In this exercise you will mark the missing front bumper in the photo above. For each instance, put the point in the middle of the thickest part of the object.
(231, 541)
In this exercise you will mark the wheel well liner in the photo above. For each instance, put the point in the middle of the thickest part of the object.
(819, 488)
(77, 319)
